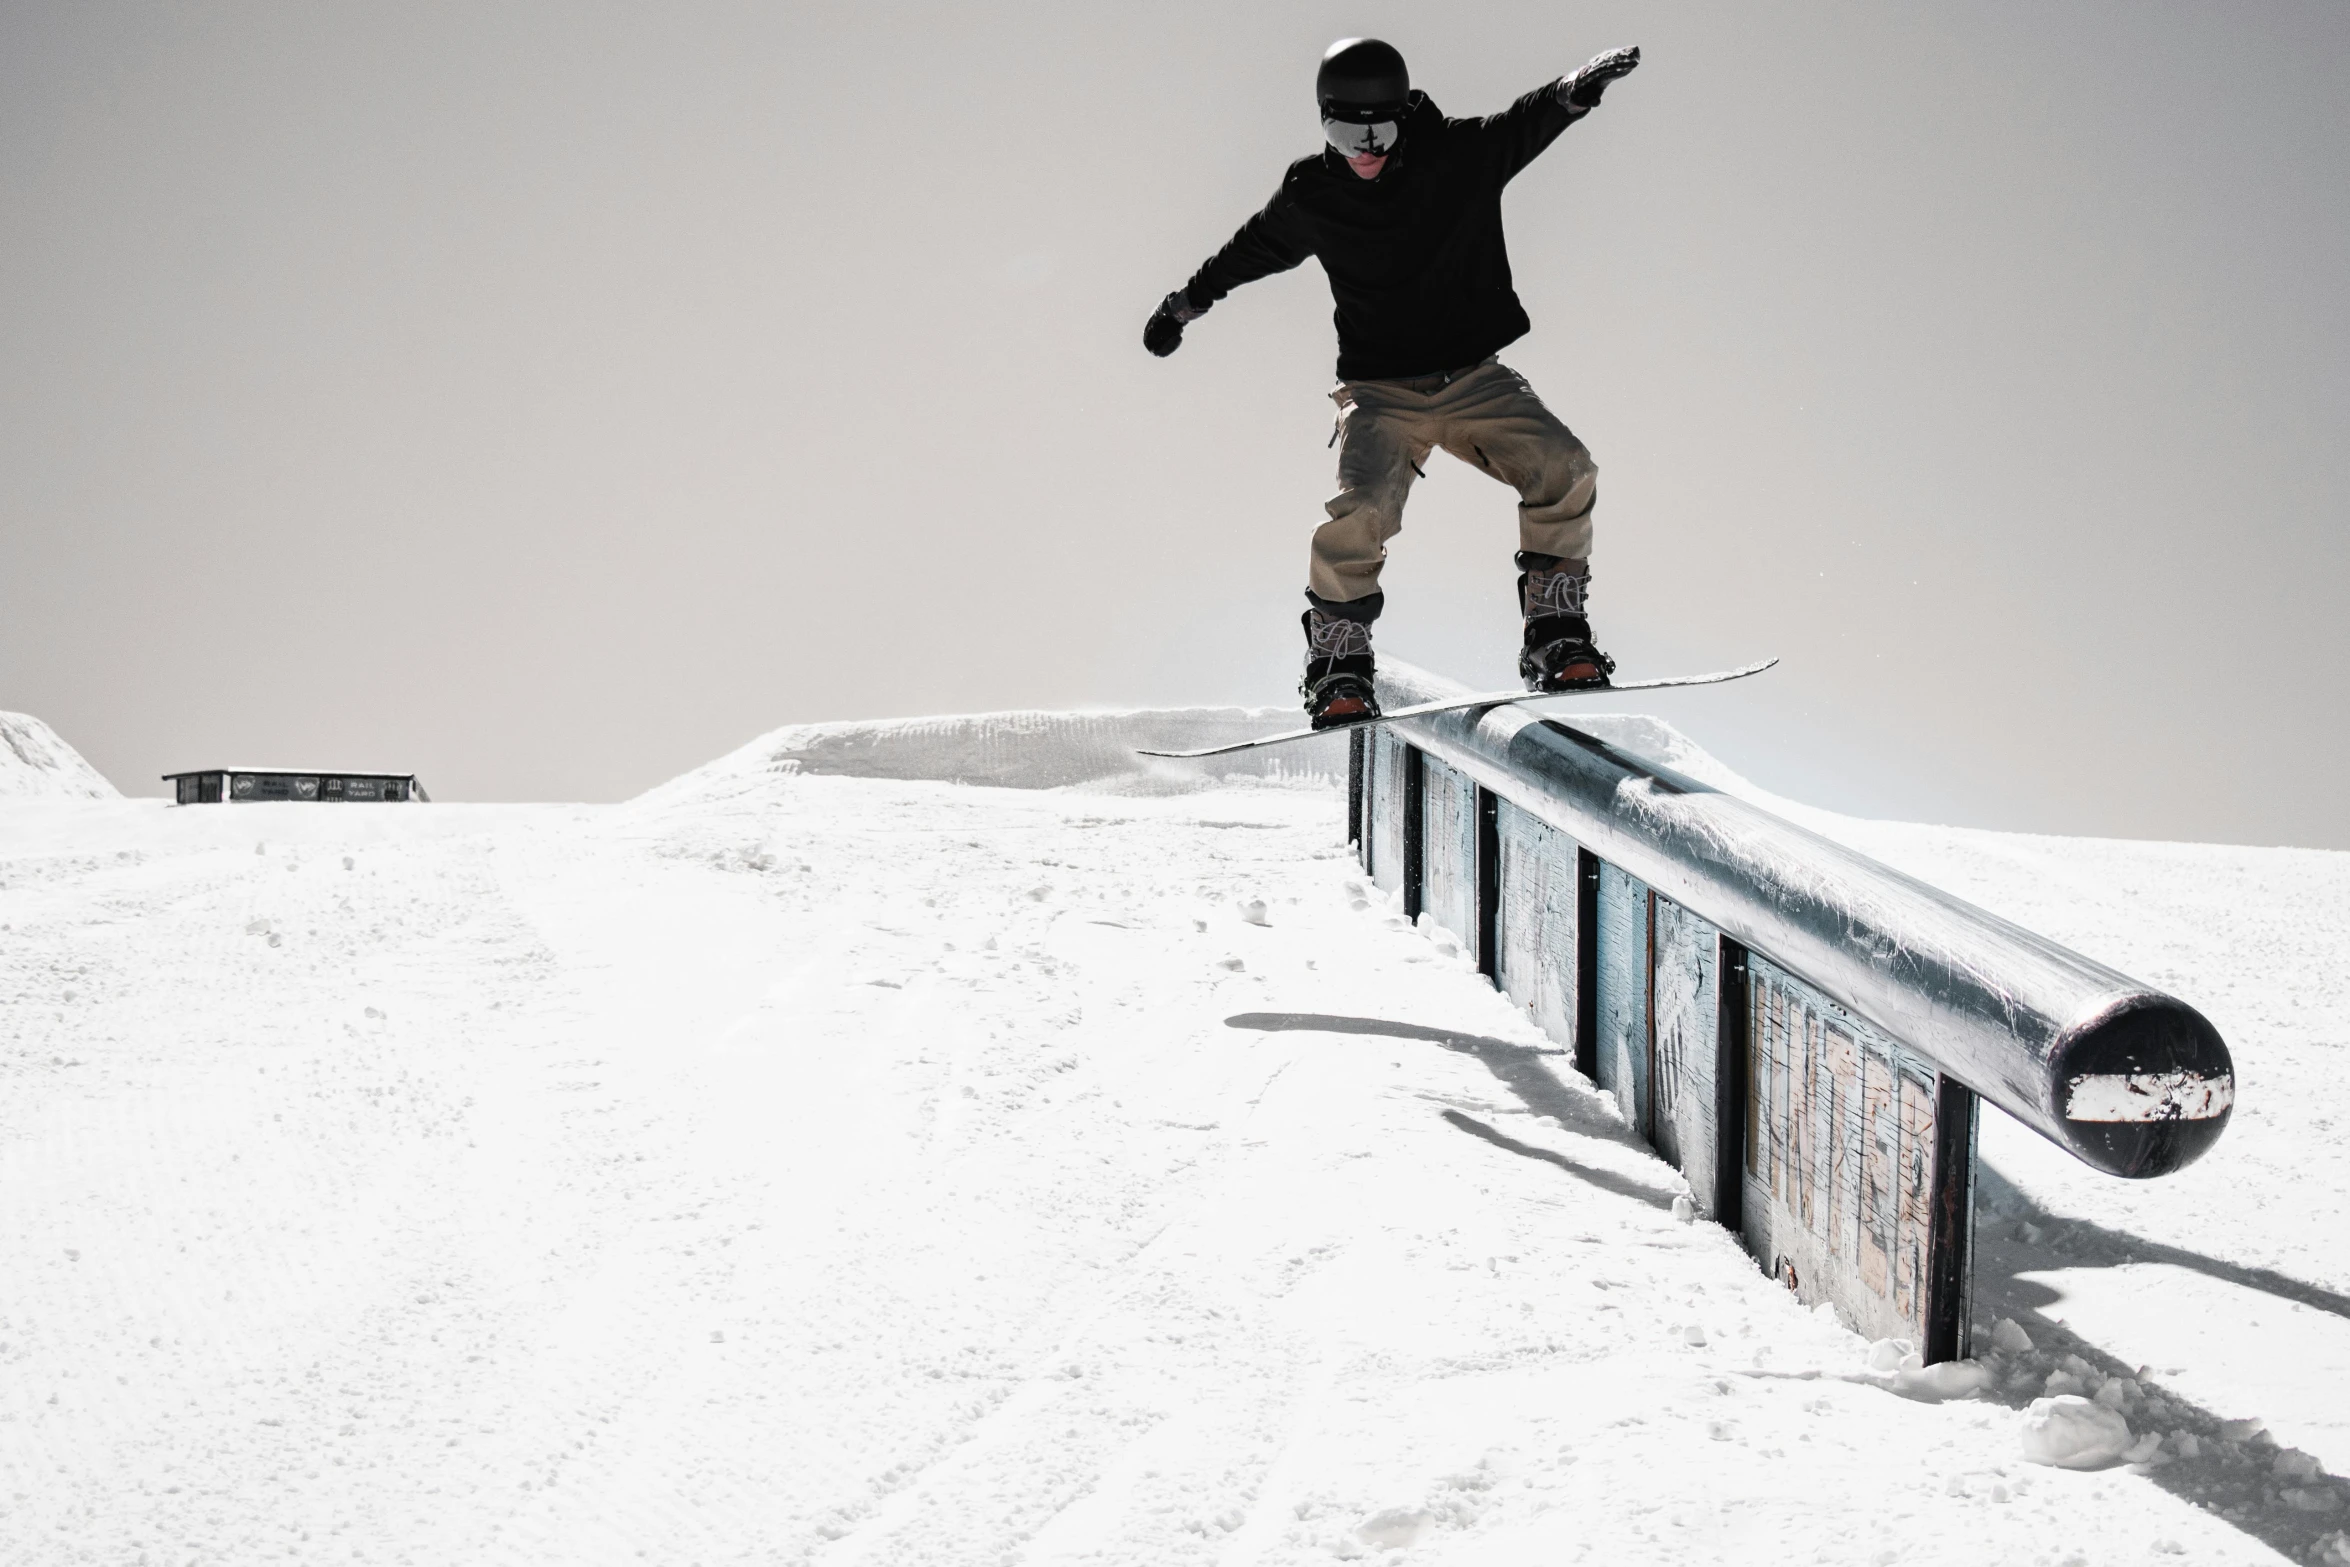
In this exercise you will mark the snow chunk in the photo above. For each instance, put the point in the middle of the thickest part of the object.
(2069, 1432)
(35, 764)
(1937, 1383)
(1397, 1529)
(1899, 1359)
(2009, 1339)
(1888, 1355)
(1684, 1210)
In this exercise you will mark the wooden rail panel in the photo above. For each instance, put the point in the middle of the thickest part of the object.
(1540, 896)
(1623, 960)
(1686, 995)
(1842, 1160)
(1383, 798)
(1448, 850)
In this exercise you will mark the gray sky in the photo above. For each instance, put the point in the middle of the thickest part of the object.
(550, 397)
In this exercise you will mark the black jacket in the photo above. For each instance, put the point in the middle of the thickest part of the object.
(1415, 257)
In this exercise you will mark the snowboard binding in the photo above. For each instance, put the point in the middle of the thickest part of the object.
(1559, 655)
(1338, 691)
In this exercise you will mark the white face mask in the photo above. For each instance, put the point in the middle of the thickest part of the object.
(1375, 140)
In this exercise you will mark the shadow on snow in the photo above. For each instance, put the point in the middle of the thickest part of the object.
(2233, 1481)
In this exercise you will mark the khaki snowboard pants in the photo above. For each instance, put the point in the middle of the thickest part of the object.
(1488, 417)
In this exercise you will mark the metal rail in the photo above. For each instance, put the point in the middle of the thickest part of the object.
(2127, 1078)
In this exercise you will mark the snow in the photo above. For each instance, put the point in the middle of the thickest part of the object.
(808, 1164)
(2010, 1339)
(36, 764)
(2070, 1432)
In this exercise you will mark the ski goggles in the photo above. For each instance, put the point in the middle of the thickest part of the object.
(1375, 140)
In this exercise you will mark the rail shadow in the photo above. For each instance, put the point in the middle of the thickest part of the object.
(1605, 1180)
(1522, 1069)
(2236, 1481)
(2084, 1243)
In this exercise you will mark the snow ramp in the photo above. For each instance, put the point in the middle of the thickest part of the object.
(36, 765)
(1025, 749)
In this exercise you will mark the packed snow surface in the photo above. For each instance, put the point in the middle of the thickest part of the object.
(35, 764)
(807, 1165)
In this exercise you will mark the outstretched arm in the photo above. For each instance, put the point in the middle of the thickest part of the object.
(1273, 241)
(1521, 131)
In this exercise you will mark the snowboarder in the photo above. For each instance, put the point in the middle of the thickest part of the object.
(1403, 209)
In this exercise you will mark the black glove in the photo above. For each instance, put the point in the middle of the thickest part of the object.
(1163, 333)
(1582, 89)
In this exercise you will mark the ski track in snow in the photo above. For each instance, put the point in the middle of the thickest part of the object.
(850, 1170)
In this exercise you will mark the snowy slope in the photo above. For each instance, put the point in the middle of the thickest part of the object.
(35, 764)
(798, 1167)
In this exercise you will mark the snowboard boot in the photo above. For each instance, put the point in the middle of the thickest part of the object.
(1337, 686)
(1559, 654)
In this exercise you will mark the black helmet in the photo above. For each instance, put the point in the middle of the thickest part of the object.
(1362, 80)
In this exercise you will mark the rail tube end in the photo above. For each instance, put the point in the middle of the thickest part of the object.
(2144, 1088)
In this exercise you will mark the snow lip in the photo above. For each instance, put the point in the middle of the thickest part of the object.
(1019, 749)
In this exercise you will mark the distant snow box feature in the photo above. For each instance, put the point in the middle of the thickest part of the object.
(1020, 750)
(36, 765)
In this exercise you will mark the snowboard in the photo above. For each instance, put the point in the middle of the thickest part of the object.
(1482, 699)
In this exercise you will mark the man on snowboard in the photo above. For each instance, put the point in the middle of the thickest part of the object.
(1403, 209)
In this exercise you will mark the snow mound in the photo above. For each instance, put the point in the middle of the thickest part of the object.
(1027, 750)
(36, 765)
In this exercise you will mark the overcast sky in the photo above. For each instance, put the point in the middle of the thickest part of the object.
(547, 398)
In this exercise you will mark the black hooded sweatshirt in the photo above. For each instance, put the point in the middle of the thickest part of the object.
(1415, 257)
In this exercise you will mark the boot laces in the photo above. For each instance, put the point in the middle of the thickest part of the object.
(1556, 592)
(1329, 636)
